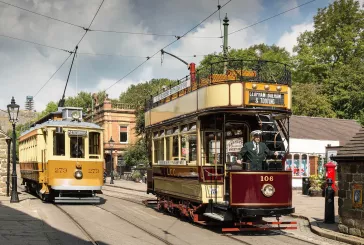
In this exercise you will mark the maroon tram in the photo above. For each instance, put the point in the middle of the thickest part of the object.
(195, 131)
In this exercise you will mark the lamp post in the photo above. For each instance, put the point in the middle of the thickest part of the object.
(111, 144)
(8, 141)
(13, 110)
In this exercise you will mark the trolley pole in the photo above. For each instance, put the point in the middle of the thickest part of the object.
(225, 45)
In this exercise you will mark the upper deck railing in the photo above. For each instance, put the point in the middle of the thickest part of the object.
(260, 71)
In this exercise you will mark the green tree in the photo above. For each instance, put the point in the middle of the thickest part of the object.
(136, 154)
(51, 107)
(332, 54)
(84, 100)
(137, 96)
(308, 99)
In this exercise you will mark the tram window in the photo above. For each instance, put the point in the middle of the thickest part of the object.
(58, 144)
(94, 143)
(158, 150)
(184, 147)
(175, 147)
(169, 148)
(212, 147)
(192, 142)
(77, 147)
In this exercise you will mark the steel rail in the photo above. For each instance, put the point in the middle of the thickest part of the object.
(137, 226)
(83, 230)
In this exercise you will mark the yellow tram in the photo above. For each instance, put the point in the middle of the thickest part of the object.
(196, 129)
(61, 157)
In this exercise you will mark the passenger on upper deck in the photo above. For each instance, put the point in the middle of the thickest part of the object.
(255, 152)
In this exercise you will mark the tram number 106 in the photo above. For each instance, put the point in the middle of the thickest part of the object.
(266, 178)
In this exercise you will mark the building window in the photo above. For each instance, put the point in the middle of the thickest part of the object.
(94, 147)
(58, 144)
(123, 134)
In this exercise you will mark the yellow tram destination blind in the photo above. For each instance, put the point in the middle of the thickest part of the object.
(266, 98)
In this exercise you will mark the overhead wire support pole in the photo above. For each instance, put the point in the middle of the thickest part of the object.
(61, 101)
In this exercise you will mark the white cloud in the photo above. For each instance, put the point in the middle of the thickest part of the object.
(289, 39)
(24, 68)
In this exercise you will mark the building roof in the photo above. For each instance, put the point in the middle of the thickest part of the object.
(319, 128)
(354, 148)
(63, 124)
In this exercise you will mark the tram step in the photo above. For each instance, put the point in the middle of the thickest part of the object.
(214, 216)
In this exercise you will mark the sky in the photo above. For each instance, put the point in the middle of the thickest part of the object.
(25, 67)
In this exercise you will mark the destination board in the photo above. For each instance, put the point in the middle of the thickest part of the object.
(266, 98)
(77, 133)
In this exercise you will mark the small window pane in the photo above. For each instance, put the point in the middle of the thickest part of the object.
(58, 144)
(77, 147)
(123, 134)
(94, 147)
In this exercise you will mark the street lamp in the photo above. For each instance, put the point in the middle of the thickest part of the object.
(111, 144)
(13, 110)
(8, 141)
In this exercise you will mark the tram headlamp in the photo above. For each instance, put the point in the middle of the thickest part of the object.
(266, 87)
(268, 190)
(254, 86)
(78, 174)
(279, 88)
(75, 115)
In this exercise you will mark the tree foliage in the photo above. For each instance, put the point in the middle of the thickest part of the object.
(332, 55)
(136, 154)
(137, 96)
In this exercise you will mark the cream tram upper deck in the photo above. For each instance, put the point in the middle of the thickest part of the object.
(247, 85)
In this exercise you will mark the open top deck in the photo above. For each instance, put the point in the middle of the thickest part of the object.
(247, 86)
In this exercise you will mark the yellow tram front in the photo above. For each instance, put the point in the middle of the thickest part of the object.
(61, 158)
(196, 130)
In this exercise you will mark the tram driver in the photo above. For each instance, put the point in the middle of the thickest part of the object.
(255, 152)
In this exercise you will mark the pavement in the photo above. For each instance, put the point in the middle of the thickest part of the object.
(309, 208)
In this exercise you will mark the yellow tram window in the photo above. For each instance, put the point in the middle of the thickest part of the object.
(94, 144)
(77, 147)
(58, 144)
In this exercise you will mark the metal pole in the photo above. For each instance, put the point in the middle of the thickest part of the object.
(14, 191)
(8, 141)
(225, 46)
(112, 169)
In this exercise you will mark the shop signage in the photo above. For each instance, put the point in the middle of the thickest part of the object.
(266, 98)
(169, 92)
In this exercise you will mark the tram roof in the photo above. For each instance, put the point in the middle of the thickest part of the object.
(59, 123)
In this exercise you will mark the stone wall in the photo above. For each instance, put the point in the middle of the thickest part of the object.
(351, 219)
(3, 163)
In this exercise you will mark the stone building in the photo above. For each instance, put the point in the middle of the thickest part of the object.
(350, 159)
(118, 121)
(3, 162)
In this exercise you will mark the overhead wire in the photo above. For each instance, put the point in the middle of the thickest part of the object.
(256, 23)
(167, 46)
(65, 22)
(53, 75)
(43, 45)
(72, 51)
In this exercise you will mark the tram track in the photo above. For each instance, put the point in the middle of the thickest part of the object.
(82, 229)
(125, 193)
(125, 188)
(137, 226)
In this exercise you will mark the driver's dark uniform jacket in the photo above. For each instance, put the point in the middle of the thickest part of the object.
(255, 154)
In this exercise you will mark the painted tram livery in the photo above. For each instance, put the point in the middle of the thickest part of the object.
(61, 157)
(195, 131)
